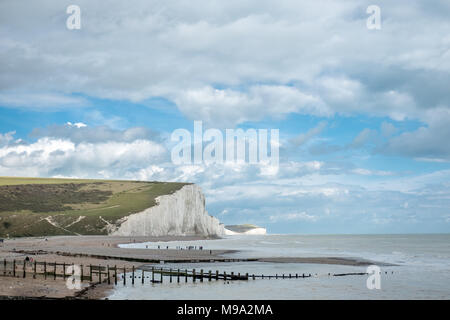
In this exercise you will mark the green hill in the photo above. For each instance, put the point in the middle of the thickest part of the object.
(44, 207)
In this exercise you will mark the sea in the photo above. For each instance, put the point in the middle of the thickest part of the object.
(412, 266)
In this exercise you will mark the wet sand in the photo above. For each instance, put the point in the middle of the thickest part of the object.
(324, 260)
(104, 250)
(104, 247)
(86, 250)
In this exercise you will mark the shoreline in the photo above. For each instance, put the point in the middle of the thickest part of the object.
(104, 250)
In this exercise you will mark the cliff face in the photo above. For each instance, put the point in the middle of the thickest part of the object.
(181, 213)
(246, 229)
(256, 231)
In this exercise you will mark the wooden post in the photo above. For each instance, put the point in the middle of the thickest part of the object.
(115, 275)
(45, 270)
(246, 276)
(132, 275)
(224, 276)
(289, 275)
(107, 270)
(283, 275)
(262, 276)
(90, 272)
(186, 276)
(170, 275)
(253, 276)
(124, 276)
(178, 276)
(217, 274)
(54, 271)
(34, 275)
(239, 276)
(14, 268)
(303, 275)
(4, 267)
(201, 275)
(153, 274)
(162, 275)
(99, 274)
(232, 275)
(24, 268)
(296, 276)
(64, 270)
(143, 276)
(276, 276)
(193, 275)
(209, 275)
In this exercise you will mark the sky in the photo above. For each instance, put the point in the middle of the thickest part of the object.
(363, 114)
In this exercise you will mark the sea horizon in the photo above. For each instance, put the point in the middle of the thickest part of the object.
(400, 257)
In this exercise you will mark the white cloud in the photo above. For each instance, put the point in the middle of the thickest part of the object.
(227, 62)
(304, 137)
(388, 129)
(76, 124)
(301, 216)
(41, 101)
(365, 136)
(55, 156)
(427, 142)
(79, 132)
(6, 138)
(366, 172)
(229, 107)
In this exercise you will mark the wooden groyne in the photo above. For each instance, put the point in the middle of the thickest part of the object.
(109, 274)
(123, 275)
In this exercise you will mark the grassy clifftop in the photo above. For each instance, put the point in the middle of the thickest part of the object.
(44, 207)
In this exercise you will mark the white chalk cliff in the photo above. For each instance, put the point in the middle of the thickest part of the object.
(180, 213)
(244, 229)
